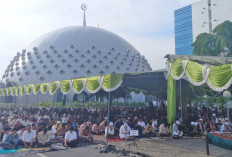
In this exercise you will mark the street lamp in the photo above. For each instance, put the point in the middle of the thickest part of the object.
(227, 95)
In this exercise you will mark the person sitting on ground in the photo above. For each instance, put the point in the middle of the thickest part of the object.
(96, 129)
(11, 141)
(124, 132)
(193, 130)
(20, 133)
(176, 133)
(6, 133)
(18, 124)
(142, 124)
(82, 127)
(29, 137)
(149, 130)
(102, 126)
(163, 130)
(213, 127)
(52, 133)
(226, 128)
(44, 138)
(64, 119)
(57, 125)
(110, 132)
(155, 124)
(61, 132)
(117, 125)
(139, 128)
(34, 127)
(86, 134)
(202, 127)
(70, 139)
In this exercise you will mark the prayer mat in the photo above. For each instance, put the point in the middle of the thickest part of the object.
(220, 140)
(118, 140)
(8, 151)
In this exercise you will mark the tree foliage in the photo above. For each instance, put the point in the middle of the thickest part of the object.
(219, 42)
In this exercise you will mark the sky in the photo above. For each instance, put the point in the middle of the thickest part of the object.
(147, 24)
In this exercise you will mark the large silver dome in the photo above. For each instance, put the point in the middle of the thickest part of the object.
(74, 52)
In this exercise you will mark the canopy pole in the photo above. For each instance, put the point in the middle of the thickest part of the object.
(26, 103)
(37, 99)
(181, 111)
(53, 101)
(227, 110)
(108, 118)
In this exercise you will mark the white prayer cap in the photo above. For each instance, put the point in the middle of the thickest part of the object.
(177, 122)
(201, 119)
(111, 123)
(192, 123)
(58, 122)
(18, 120)
(226, 119)
(214, 114)
(226, 123)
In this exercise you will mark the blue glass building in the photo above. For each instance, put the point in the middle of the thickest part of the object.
(183, 31)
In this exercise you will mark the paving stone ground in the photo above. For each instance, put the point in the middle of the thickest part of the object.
(173, 148)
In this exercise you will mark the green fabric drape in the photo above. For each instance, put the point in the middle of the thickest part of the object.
(21, 90)
(8, 91)
(177, 68)
(52, 87)
(112, 81)
(28, 89)
(77, 85)
(220, 75)
(12, 91)
(171, 101)
(36, 88)
(217, 77)
(65, 86)
(194, 71)
(44, 87)
(4, 92)
(92, 84)
(16, 91)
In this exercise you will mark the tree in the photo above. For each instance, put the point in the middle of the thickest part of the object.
(223, 38)
(205, 45)
(219, 42)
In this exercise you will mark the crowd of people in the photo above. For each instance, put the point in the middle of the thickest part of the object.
(41, 127)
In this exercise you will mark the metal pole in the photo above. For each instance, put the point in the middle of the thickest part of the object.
(207, 144)
(37, 100)
(227, 108)
(108, 117)
(181, 111)
(26, 103)
(53, 101)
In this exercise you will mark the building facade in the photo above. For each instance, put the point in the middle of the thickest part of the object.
(200, 17)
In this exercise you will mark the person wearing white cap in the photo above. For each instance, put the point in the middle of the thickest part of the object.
(124, 131)
(202, 127)
(226, 128)
(176, 133)
(110, 131)
(193, 130)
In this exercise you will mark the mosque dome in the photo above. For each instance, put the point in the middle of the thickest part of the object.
(73, 52)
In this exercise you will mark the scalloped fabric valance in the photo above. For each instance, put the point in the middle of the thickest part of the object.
(92, 85)
(219, 78)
